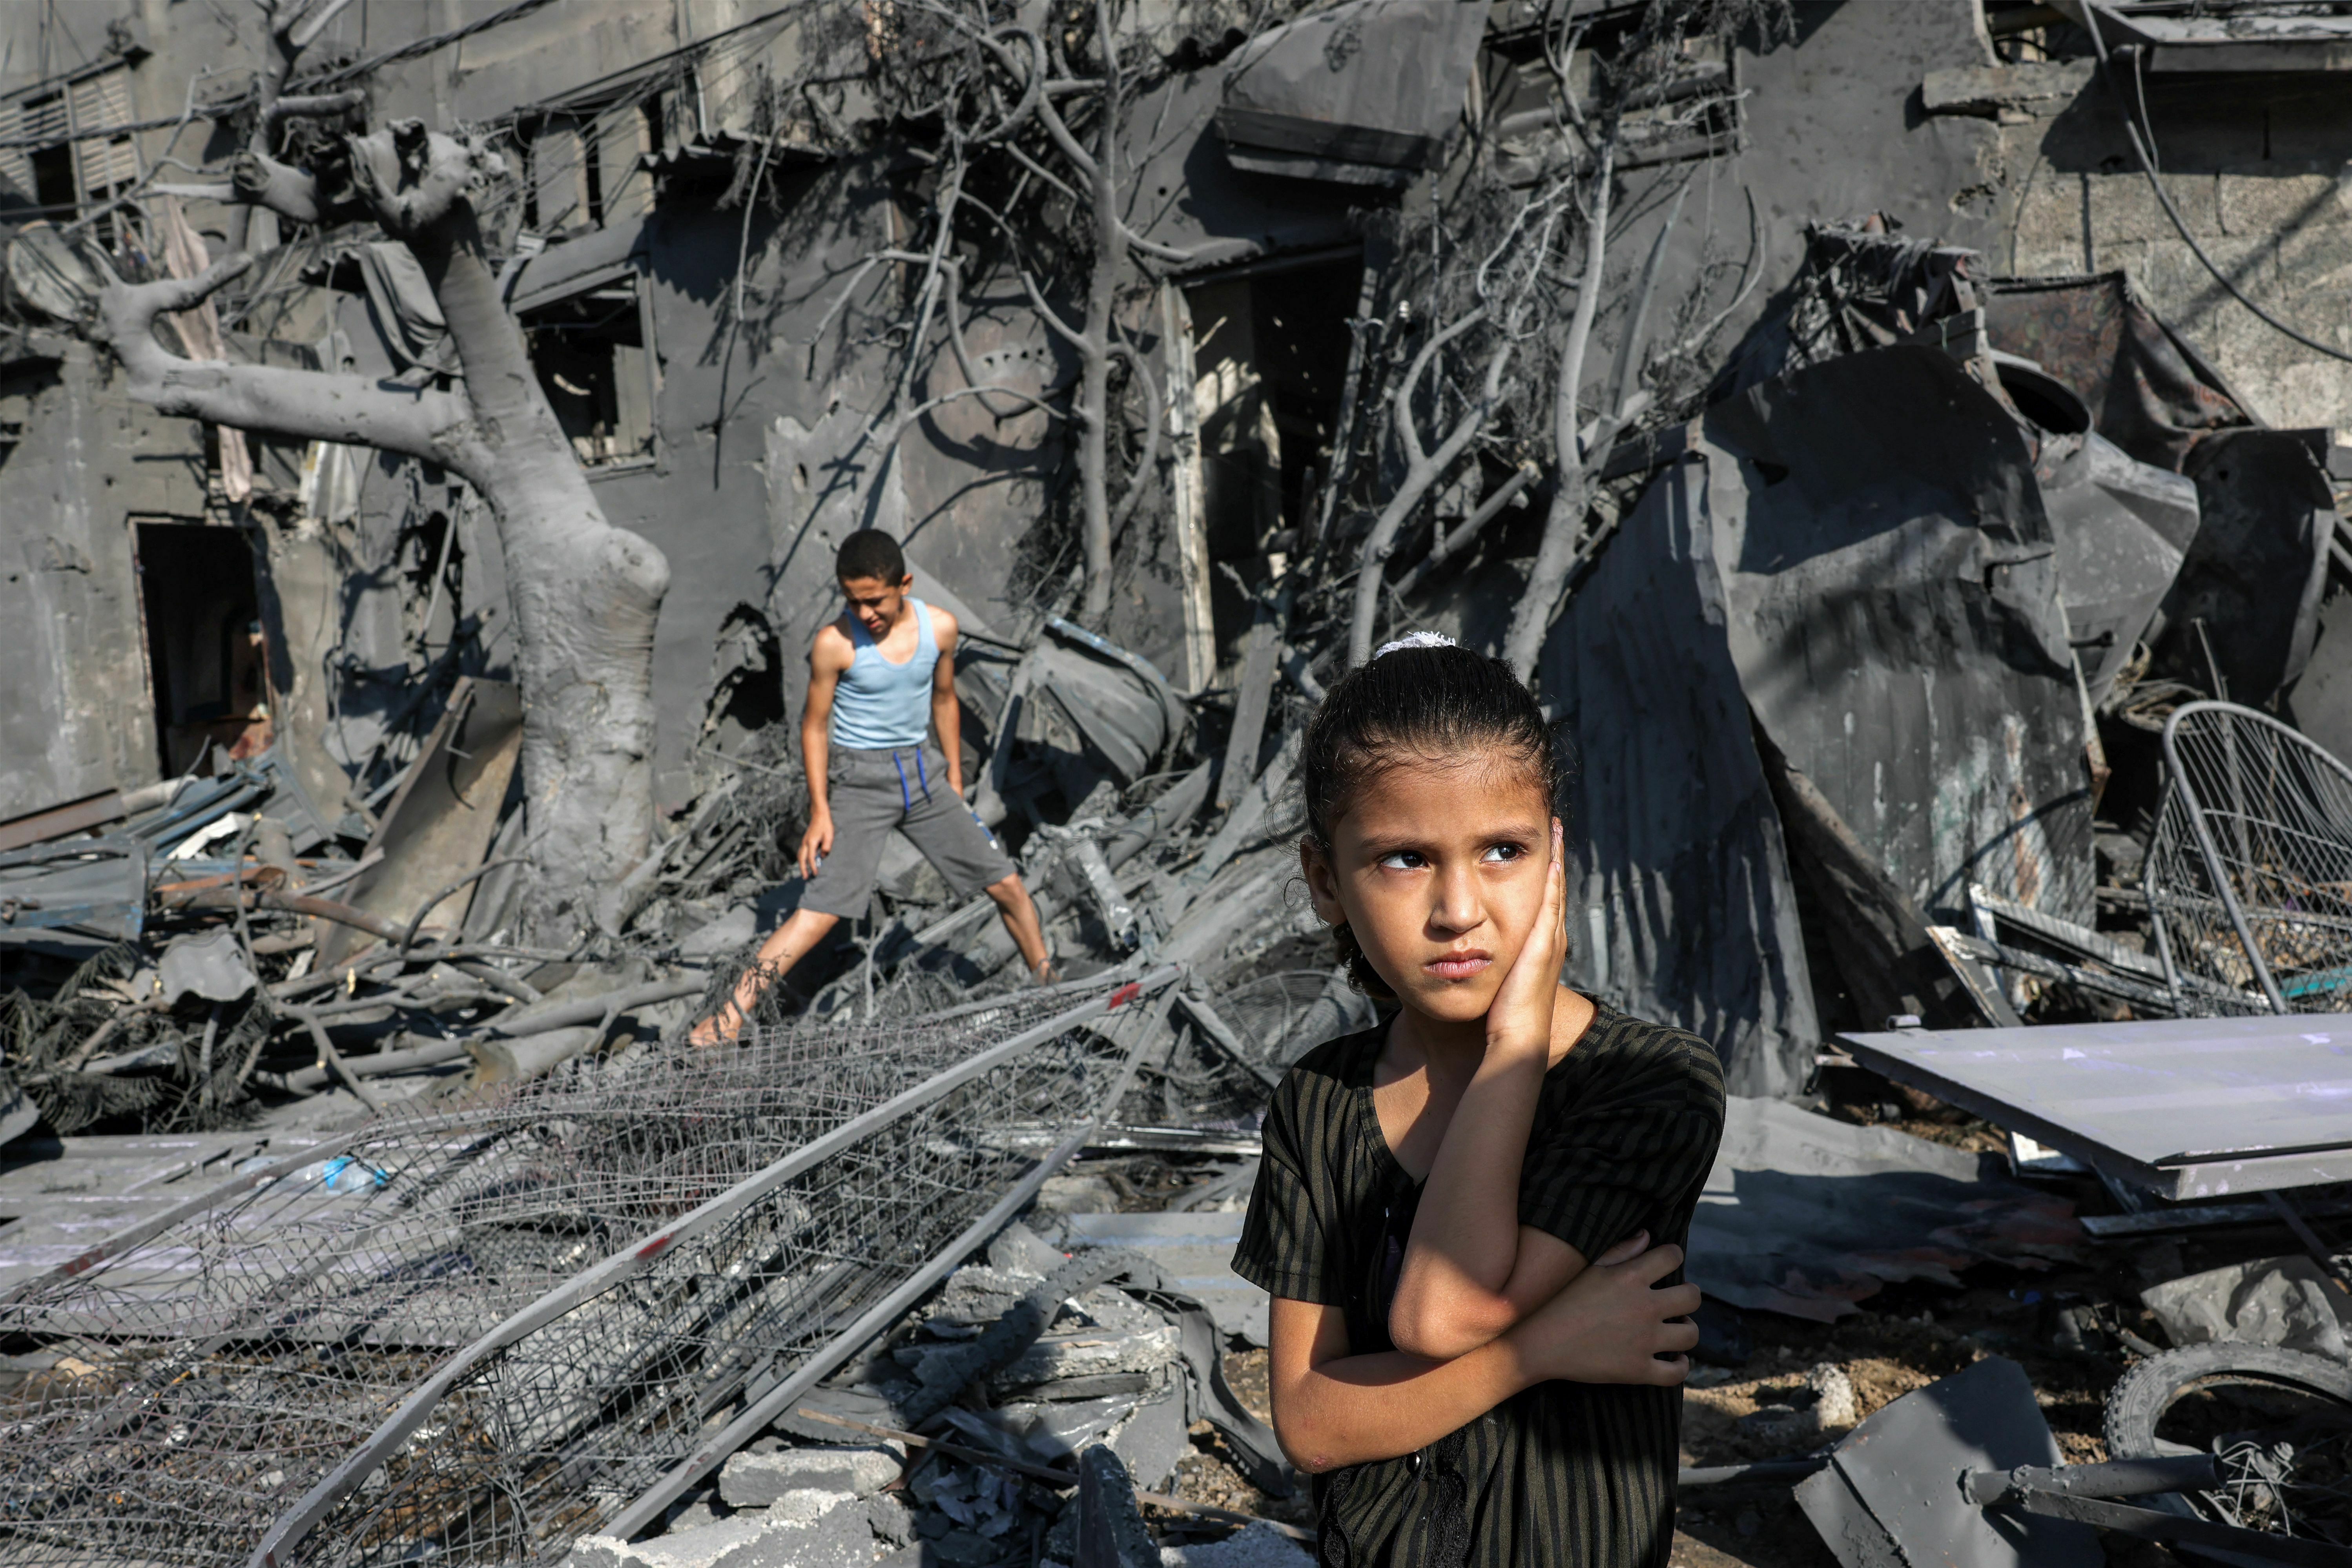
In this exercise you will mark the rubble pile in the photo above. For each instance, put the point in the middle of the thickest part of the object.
(1080, 1381)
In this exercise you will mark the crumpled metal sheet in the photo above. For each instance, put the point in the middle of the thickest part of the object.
(1113, 707)
(95, 886)
(2250, 586)
(1894, 612)
(209, 966)
(1363, 93)
(2123, 528)
(1806, 1215)
(1689, 914)
(2283, 1302)
(1890, 1494)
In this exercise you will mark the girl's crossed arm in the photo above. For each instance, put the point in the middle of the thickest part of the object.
(1471, 1269)
(1332, 1408)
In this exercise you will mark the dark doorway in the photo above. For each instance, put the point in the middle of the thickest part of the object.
(204, 644)
(1270, 345)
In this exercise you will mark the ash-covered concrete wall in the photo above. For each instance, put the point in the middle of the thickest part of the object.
(81, 466)
(2260, 169)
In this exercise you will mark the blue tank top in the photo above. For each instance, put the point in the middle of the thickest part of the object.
(878, 705)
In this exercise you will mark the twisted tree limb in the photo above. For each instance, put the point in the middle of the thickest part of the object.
(306, 405)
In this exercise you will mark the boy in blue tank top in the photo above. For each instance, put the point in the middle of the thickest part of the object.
(880, 679)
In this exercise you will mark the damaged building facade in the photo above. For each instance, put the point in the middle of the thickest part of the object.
(732, 243)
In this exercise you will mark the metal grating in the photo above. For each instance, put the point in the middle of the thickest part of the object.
(2249, 878)
(493, 1328)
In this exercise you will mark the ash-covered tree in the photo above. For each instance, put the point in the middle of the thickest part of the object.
(1504, 288)
(585, 595)
(1023, 116)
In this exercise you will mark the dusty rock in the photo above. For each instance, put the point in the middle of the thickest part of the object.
(761, 1480)
(804, 1529)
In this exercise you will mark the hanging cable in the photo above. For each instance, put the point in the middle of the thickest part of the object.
(2134, 121)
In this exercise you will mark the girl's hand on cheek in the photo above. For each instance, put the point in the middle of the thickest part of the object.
(1518, 1021)
(1610, 1323)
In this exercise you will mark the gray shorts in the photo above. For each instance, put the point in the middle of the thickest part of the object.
(869, 793)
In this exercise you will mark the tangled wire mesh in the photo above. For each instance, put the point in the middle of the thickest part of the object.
(233, 1360)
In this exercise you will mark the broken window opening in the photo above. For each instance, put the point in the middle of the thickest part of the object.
(205, 653)
(591, 354)
(63, 176)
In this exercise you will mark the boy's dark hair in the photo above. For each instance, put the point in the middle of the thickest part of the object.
(870, 552)
(1408, 704)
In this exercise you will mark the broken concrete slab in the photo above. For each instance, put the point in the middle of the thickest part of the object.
(803, 1529)
(1258, 1546)
(2282, 1301)
(1152, 1438)
(1193, 1253)
(761, 1480)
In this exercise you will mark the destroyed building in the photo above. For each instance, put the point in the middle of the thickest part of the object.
(1932, 563)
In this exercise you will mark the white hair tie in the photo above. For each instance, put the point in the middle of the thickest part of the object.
(1415, 640)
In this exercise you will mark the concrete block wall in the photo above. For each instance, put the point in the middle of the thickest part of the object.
(2260, 172)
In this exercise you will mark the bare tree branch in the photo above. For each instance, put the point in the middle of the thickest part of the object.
(305, 405)
(1148, 462)
(1446, 546)
(262, 180)
(1423, 470)
(315, 106)
(1531, 617)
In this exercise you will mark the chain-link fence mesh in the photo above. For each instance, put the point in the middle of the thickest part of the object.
(2248, 876)
(228, 1364)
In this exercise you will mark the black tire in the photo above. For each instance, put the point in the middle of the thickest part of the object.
(2138, 1401)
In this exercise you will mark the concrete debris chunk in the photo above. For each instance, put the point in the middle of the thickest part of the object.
(1152, 1438)
(1258, 1546)
(1824, 1402)
(2282, 1301)
(1050, 1432)
(760, 1480)
(804, 1530)
(980, 1293)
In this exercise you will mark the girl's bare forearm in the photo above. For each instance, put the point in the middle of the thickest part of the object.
(1455, 1290)
(1358, 1408)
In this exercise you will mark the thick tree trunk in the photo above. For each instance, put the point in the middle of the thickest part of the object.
(586, 596)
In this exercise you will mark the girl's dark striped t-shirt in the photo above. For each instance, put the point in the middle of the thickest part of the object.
(1624, 1133)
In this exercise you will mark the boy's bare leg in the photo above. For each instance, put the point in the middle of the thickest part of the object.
(785, 946)
(1020, 917)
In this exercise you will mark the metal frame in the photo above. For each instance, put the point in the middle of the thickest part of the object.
(288, 1530)
(2214, 868)
(2176, 1175)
